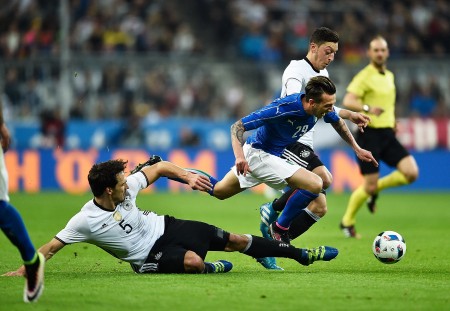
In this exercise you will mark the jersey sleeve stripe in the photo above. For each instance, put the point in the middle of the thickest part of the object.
(61, 240)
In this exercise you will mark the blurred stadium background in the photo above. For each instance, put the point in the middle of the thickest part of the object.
(83, 81)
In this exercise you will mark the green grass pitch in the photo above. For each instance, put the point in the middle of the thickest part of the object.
(83, 277)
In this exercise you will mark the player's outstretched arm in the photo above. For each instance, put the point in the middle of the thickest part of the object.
(48, 250)
(170, 170)
(343, 131)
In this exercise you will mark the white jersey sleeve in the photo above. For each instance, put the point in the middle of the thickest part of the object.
(294, 80)
(76, 230)
(136, 182)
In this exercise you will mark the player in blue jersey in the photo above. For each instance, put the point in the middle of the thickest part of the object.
(278, 125)
(12, 225)
(323, 45)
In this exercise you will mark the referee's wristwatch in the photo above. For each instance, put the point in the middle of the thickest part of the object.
(366, 108)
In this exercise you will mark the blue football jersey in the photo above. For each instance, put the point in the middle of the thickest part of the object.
(281, 123)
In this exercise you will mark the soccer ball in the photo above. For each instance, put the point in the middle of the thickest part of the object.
(389, 247)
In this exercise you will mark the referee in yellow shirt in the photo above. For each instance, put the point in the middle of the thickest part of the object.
(372, 91)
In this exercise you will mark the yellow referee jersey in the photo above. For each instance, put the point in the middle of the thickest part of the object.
(376, 89)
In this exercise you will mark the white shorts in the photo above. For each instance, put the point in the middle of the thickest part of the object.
(266, 169)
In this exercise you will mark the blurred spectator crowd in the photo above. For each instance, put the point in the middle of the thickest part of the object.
(274, 30)
(267, 30)
(32, 27)
(254, 31)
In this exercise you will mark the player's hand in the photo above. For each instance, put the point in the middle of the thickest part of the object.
(366, 156)
(199, 182)
(242, 166)
(360, 119)
(18, 272)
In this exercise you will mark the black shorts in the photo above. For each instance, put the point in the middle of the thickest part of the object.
(384, 146)
(180, 236)
(302, 155)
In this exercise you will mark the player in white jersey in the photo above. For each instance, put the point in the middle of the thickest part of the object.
(154, 243)
(322, 49)
(12, 225)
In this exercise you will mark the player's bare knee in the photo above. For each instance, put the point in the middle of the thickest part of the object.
(321, 211)
(412, 178)
(408, 167)
(411, 175)
(193, 263)
(236, 242)
(327, 179)
(318, 207)
(316, 185)
(371, 189)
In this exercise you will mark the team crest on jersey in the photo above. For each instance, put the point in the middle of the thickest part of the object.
(127, 204)
(305, 153)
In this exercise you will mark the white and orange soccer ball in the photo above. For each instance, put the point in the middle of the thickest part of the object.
(389, 247)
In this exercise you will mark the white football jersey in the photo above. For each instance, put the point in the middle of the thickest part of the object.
(295, 77)
(3, 178)
(126, 233)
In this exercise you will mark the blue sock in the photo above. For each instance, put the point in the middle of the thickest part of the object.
(12, 225)
(294, 206)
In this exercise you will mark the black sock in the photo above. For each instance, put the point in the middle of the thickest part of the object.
(301, 224)
(279, 204)
(259, 247)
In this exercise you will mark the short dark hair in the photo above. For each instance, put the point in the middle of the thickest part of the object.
(103, 175)
(318, 85)
(324, 34)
